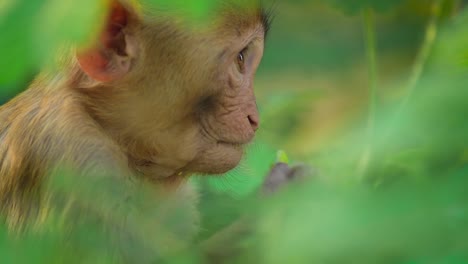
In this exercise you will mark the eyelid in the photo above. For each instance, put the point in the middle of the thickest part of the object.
(245, 53)
(246, 47)
(248, 54)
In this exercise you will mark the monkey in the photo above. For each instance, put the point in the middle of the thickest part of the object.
(151, 101)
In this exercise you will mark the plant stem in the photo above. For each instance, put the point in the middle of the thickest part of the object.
(424, 52)
(369, 24)
(371, 49)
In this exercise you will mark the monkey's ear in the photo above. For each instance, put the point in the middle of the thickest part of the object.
(111, 57)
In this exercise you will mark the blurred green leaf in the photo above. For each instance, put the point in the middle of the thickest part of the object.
(332, 224)
(282, 157)
(73, 23)
(17, 47)
(33, 32)
(451, 53)
(356, 6)
(195, 11)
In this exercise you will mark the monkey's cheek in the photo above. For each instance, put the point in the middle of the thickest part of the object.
(219, 159)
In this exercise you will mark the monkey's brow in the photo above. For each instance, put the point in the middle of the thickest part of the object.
(266, 16)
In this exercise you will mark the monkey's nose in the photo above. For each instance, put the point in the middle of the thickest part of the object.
(254, 121)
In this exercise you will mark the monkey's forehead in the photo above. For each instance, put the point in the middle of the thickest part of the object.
(241, 14)
(195, 5)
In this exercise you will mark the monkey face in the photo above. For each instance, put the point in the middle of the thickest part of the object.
(205, 111)
(184, 102)
(228, 119)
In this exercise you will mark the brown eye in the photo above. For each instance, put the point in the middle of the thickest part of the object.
(241, 60)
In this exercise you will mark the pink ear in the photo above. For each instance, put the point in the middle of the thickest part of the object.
(107, 60)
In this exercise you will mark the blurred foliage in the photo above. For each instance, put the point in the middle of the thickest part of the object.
(402, 202)
(33, 30)
(354, 6)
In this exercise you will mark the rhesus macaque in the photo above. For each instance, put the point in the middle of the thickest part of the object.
(153, 100)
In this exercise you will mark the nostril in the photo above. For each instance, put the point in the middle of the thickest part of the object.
(254, 122)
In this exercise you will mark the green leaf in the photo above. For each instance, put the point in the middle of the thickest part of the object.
(356, 6)
(73, 22)
(192, 10)
(33, 31)
(282, 157)
(17, 47)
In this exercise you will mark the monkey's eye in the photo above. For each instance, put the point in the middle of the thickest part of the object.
(241, 60)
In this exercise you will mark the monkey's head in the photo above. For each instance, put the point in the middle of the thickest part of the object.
(178, 98)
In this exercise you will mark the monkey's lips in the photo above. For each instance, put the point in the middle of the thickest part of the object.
(237, 143)
(233, 144)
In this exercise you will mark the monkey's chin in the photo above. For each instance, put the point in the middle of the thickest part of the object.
(219, 159)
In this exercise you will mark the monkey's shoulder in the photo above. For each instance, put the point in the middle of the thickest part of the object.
(40, 130)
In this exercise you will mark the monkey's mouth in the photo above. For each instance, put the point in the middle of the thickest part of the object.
(237, 145)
